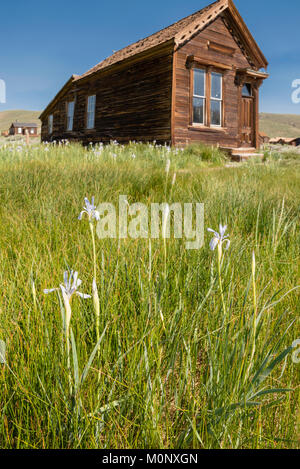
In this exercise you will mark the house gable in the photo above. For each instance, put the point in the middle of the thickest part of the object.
(214, 47)
(226, 10)
(216, 44)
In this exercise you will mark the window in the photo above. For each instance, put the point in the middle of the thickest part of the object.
(216, 100)
(50, 124)
(207, 98)
(199, 96)
(91, 106)
(19, 130)
(32, 131)
(70, 115)
(247, 90)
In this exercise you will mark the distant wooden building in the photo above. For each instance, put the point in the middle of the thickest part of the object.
(275, 140)
(295, 142)
(196, 81)
(263, 138)
(21, 128)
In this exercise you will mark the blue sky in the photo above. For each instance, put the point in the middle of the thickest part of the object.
(44, 42)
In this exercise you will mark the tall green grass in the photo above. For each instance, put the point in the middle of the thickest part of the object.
(189, 353)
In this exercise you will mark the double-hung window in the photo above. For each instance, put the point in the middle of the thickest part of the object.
(199, 107)
(50, 124)
(70, 115)
(216, 100)
(207, 98)
(91, 107)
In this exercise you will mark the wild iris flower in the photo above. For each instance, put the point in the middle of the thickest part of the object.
(69, 287)
(219, 238)
(90, 210)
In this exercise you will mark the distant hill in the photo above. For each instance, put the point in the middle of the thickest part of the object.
(280, 125)
(7, 117)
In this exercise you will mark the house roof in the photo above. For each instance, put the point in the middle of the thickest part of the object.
(289, 140)
(22, 124)
(284, 139)
(181, 32)
(154, 40)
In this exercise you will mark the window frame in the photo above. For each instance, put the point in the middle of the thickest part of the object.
(88, 112)
(209, 70)
(70, 118)
(50, 124)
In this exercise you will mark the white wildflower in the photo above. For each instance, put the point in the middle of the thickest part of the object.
(69, 287)
(90, 210)
(296, 354)
(219, 238)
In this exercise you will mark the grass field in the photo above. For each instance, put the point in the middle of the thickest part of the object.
(179, 348)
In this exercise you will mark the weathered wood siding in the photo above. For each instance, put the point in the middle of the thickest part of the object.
(133, 102)
(182, 131)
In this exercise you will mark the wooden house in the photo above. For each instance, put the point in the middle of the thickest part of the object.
(276, 140)
(21, 128)
(294, 142)
(195, 81)
(264, 138)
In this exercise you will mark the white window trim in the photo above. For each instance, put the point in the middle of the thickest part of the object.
(199, 96)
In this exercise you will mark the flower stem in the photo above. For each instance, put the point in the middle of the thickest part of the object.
(94, 250)
(68, 315)
(220, 276)
(95, 289)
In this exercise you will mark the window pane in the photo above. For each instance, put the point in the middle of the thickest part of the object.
(247, 90)
(199, 82)
(71, 109)
(216, 85)
(198, 110)
(215, 112)
(50, 124)
(91, 112)
(70, 115)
